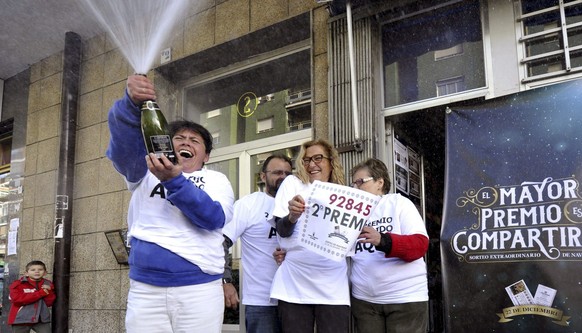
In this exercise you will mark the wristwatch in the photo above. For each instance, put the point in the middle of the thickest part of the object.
(226, 280)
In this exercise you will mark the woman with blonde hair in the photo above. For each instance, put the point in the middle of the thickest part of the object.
(311, 289)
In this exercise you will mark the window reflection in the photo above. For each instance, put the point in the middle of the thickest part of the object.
(430, 53)
(265, 100)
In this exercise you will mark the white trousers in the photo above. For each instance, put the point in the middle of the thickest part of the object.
(195, 308)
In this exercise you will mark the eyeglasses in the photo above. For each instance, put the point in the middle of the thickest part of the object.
(359, 182)
(315, 158)
(279, 172)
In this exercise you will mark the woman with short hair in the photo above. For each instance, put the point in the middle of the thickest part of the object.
(388, 273)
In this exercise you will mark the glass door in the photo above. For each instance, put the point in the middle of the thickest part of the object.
(242, 163)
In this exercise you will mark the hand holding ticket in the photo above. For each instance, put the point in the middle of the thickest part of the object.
(296, 208)
(333, 219)
(370, 235)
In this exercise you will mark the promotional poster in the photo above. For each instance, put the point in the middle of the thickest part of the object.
(511, 239)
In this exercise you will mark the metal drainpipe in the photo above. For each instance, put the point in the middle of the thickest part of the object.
(353, 79)
(65, 181)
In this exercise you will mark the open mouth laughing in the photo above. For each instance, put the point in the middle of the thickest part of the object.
(185, 153)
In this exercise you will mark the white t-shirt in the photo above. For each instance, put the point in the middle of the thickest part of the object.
(382, 280)
(152, 218)
(253, 222)
(305, 277)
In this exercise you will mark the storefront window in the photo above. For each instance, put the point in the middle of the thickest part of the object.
(266, 100)
(431, 51)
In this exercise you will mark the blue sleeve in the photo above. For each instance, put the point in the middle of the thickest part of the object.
(126, 148)
(196, 204)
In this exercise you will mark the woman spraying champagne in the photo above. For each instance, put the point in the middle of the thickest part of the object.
(175, 221)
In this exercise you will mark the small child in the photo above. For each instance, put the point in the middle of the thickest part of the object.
(31, 296)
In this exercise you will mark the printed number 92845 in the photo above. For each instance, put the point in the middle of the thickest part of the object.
(349, 204)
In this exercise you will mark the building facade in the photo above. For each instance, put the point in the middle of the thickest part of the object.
(373, 77)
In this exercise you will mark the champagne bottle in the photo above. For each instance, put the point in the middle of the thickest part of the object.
(155, 131)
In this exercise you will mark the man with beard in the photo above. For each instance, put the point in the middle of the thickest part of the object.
(253, 222)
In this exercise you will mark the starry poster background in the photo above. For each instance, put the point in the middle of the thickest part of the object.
(512, 210)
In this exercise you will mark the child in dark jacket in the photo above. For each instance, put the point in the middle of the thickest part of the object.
(31, 296)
